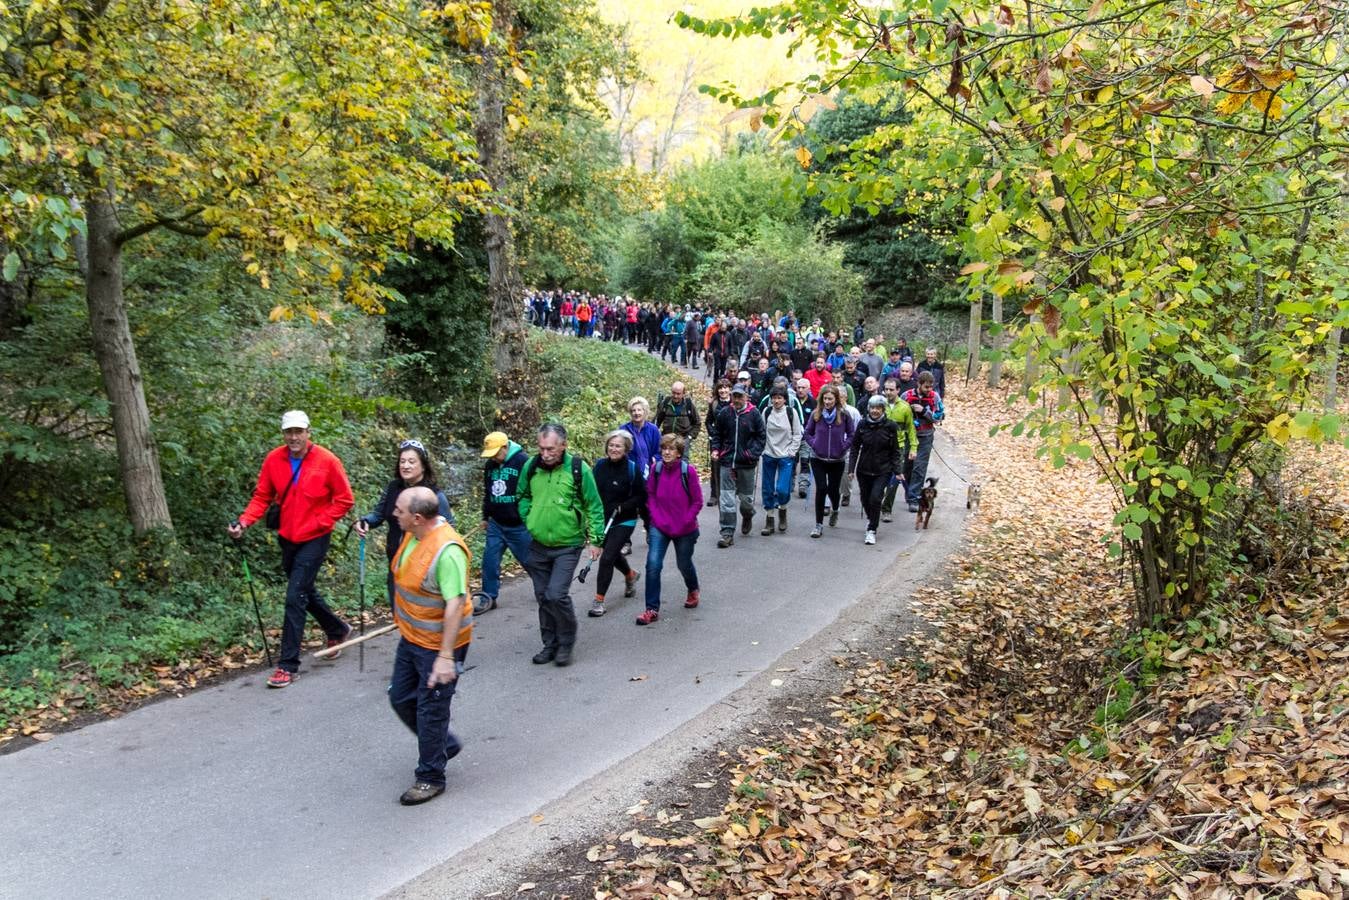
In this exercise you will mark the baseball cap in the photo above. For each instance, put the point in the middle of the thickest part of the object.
(739, 389)
(294, 418)
(494, 443)
(744, 373)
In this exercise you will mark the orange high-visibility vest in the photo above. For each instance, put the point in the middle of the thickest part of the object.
(419, 607)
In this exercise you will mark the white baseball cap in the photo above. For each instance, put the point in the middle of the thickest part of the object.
(295, 418)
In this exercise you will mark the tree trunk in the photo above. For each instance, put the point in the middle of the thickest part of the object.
(995, 367)
(975, 339)
(137, 458)
(1332, 369)
(1032, 371)
(516, 408)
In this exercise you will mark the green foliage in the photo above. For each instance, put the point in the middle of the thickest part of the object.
(1176, 233)
(784, 266)
(905, 259)
(710, 208)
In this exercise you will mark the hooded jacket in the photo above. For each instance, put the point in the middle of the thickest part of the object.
(673, 512)
(738, 436)
(930, 409)
(501, 487)
(783, 431)
(875, 448)
(556, 512)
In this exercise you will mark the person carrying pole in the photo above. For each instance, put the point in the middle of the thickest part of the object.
(435, 625)
(302, 492)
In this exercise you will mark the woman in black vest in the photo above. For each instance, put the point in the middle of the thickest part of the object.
(623, 493)
(413, 469)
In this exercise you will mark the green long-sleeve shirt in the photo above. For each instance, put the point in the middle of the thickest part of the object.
(902, 415)
(548, 504)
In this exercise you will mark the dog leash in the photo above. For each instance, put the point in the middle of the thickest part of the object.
(947, 465)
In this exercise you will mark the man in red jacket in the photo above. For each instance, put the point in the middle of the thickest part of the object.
(310, 486)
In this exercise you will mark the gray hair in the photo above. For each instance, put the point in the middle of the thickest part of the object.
(556, 429)
(622, 435)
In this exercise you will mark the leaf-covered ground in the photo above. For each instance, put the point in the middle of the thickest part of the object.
(1017, 750)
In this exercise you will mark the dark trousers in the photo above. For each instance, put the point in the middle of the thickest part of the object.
(716, 480)
(919, 470)
(301, 564)
(551, 569)
(718, 368)
(425, 711)
(828, 477)
(872, 489)
(611, 557)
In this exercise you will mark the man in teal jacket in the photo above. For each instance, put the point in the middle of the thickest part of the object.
(562, 509)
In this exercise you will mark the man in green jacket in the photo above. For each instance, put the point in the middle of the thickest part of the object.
(562, 509)
(902, 415)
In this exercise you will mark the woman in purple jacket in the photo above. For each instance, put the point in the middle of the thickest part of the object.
(829, 432)
(674, 497)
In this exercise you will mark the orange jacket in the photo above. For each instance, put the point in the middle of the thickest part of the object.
(317, 501)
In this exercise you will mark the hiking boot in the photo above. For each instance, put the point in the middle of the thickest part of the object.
(562, 657)
(420, 793)
(913, 507)
(768, 526)
(544, 656)
(801, 491)
(746, 522)
(870, 538)
(833, 517)
(483, 603)
(627, 548)
(817, 530)
(333, 642)
(782, 519)
(712, 501)
(596, 608)
(647, 617)
(691, 601)
(630, 584)
(725, 541)
(845, 501)
(887, 517)
(280, 678)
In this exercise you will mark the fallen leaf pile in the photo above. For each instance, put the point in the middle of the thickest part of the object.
(1016, 750)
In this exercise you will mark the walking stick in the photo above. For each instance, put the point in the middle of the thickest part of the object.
(361, 555)
(257, 611)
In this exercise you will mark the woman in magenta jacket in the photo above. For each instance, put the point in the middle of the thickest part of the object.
(674, 497)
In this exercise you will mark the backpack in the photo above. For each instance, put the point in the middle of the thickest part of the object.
(683, 475)
(527, 472)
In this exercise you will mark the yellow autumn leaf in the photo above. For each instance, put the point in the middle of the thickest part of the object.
(971, 268)
(277, 314)
(1230, 104)
(292, 243)
(803, 156)
(1268, 102)
(1202, 86)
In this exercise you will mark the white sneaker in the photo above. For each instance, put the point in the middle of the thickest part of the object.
(870, 538)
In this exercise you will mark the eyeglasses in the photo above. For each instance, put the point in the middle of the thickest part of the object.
(412, 445)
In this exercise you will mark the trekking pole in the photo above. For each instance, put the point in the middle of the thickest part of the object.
(361, 557)
(585, 570)
(257, 610)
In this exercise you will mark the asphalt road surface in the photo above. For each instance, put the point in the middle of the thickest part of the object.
(238, 791)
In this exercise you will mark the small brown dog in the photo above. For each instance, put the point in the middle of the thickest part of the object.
(972, 496)
(926, 500)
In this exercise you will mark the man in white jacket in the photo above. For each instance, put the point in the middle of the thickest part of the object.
(783, 429)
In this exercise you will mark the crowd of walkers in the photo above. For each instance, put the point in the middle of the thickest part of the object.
(794, 407)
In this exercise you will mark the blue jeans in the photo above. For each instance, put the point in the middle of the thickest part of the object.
(776, 481)
(499, 537)
(919, 470)
(425, 711)
(657, 542)
(301, 563)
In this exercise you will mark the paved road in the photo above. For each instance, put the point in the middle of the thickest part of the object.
(241, 792)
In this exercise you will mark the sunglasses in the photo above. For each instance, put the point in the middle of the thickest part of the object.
(412, 445)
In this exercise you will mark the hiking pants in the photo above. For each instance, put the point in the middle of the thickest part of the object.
(872, 491)
(737, 488)
(552, 569)
(301, 563)
(828, 477)
(498, 538)
(611, 557)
